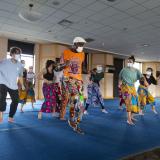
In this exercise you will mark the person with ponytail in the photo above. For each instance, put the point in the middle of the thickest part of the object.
(128, 76)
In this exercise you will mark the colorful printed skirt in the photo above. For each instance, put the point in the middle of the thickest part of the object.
(30, 92)
(51, 94)
(130, 97)
(121, 100)
(22, 96)
(145, 97)
(94, 95)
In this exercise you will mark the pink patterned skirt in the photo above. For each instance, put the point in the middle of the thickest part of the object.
(51, 94)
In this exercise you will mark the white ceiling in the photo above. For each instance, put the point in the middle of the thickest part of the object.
(121, 27)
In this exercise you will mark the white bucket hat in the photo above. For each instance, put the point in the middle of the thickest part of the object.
(79, 40)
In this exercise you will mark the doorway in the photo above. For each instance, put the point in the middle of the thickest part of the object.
(118, 64)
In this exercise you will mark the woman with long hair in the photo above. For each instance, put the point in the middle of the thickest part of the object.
(50, 89)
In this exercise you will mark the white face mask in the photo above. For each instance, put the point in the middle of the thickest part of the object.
(148, 73)
(130, 64)
(99, 69)
(79, 49)
(30, 70)
(23, 65)
(17, 57)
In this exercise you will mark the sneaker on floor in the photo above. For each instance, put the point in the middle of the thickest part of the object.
(85, 112)
(130, 123)
(104, 111)
(154, 111)
(78, 130)
(72, 124)
(10, 120)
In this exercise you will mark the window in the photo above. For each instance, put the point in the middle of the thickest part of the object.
(29, 59)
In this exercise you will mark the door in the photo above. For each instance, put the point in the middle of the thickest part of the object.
(118, 64)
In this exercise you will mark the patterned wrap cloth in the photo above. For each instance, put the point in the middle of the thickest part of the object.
(144, 97)
(51, 94)
(72, 95)
(94, 95)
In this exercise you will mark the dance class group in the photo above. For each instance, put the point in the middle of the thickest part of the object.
(63, 86)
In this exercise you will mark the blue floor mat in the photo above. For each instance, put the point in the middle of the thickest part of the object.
(107, 136)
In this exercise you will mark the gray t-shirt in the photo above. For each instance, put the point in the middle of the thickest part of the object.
(9, 73)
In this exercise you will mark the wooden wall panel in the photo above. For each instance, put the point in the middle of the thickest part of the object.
(108, 85)
(98, 59)
(3, 47)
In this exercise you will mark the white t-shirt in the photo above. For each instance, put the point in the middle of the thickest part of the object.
(59, 76)
(30, 76)
(9, 73)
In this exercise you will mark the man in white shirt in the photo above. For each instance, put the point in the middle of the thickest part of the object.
(10, 70)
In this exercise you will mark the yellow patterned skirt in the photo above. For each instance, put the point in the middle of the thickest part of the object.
(145, 97)
(130, 97)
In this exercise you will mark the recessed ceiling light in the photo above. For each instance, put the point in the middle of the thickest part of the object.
(145, 45)
(88, 40)
(125, 29)
(29, 15)
(111, 0)
(56, 3)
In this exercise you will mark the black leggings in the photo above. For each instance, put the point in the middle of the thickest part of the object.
(14, 97)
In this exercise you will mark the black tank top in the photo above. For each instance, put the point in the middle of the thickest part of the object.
(48, 76)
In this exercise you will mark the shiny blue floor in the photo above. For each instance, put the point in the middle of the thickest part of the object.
(107, 136)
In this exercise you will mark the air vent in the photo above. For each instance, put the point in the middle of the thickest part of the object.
(88, 40)
(65, 23)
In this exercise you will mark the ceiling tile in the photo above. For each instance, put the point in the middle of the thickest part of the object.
(7, 6)
(125, 4)
(72, 7)
(84, 13)
(97, 6)
(15, 2)
(84, 3)
(151, 4)
(45, 9)
(140, 1)
(75, 19)
(110, 12)
(135, 10)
